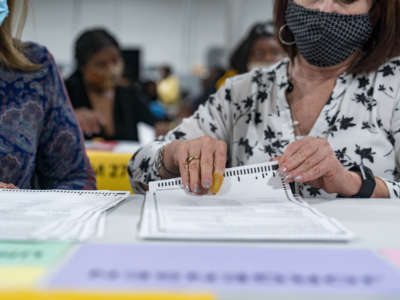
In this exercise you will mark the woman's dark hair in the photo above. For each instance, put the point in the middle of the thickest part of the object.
(90, 42)
(240, 56)
(383, 44)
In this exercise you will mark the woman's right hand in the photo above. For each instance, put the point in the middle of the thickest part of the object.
(89, 121)
(205, 171)
(7, 186)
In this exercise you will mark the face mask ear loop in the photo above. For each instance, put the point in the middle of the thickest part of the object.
(281, 38)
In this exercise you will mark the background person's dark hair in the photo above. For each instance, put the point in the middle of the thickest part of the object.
(383, 44)
(166, 70)
(90, 42)
(240, 56)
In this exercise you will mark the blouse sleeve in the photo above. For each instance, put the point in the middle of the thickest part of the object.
(61, 161)
(211, 119)
(394, 135)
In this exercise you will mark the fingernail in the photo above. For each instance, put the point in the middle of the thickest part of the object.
(284, 170)
(218, 179)
(298, 178)
(287, 177)
(207, 184)
(196, 188)
(187, 188)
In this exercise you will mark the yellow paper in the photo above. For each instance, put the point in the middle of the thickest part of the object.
(111, 170)
(45, 295)
(19, 277)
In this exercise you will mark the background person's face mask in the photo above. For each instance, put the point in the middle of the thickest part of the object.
(3, 11)
(327, 39)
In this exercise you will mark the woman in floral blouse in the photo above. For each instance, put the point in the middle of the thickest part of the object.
(330, 113)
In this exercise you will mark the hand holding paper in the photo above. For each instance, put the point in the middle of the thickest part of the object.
(199, 162)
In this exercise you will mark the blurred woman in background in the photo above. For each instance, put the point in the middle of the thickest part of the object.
(40, 142)
(168, 87)
(104, 108)
(258, 49)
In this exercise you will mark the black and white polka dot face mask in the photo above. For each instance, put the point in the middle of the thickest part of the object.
(326, 39)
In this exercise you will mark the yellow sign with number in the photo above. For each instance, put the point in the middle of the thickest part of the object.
(111, 170)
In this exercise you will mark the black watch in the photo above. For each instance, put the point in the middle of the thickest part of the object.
(368, 181)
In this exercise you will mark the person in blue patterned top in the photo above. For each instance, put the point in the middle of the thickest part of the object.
(329, 113)
(41, 145)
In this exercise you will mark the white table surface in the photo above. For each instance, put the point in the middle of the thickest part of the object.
(376, 222)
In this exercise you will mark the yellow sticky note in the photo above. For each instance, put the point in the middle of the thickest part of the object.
(45, 295)
(218, 179)
(111, 170)
(19, 277)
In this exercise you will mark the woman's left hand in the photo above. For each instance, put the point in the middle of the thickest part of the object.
(7, 186)
(313, 161)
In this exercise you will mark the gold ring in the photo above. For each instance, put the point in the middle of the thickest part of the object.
(191, 158)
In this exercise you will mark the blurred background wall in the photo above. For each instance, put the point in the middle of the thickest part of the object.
(186, 34)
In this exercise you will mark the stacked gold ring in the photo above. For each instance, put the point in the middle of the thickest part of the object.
(191, 158)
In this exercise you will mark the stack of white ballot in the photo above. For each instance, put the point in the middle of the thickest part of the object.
(254, 203)
(55, 214)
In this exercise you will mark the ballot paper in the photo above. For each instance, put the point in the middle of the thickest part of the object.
(254, 203)
(55, 214)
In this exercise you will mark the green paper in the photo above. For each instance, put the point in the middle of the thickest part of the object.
(31, 253)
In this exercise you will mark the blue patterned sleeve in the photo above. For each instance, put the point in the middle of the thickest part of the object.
(61, 161)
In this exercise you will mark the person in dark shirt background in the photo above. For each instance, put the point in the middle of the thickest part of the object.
(104, 109)
(156, 108)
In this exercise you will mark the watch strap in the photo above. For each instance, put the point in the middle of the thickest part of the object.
(368, 181)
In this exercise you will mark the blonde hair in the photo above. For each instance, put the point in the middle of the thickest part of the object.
(11, 48)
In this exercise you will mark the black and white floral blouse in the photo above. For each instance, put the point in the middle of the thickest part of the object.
(250, 113)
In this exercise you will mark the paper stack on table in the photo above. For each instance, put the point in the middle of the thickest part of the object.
(113, 146)
(55, 214)
(254, 203)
